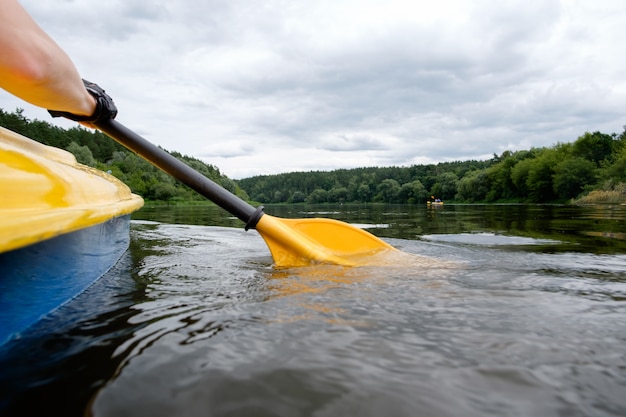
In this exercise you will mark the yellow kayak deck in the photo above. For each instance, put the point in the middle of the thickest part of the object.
(46, 193)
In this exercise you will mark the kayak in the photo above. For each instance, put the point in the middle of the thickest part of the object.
(62, 226)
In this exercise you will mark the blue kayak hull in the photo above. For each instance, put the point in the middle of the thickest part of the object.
(37, 279)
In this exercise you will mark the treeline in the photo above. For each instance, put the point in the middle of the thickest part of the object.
(97, 150)
(594, 162)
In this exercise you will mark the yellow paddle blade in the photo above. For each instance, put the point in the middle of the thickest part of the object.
(301, 242)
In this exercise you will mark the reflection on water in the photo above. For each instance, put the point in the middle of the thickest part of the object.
(518, 313)
(595, 229)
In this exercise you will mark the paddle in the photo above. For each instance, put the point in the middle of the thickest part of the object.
(292, 242)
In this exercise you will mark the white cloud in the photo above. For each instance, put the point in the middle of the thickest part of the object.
(284, 85)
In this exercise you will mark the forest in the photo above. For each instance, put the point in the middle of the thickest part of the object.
(592, 168)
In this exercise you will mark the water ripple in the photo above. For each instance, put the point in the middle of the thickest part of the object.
(210, 328)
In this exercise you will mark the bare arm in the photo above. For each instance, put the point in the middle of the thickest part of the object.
(34, 68)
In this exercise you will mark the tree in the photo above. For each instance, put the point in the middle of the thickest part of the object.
(519, 176)
(228, 184)
(413, 192)
(364, 193)
(388, 191)
(261, 198)
(278, 197)
(297, 197)
(318, 195)
(572, 175)
(595, 147)
(82, 154)
(539, 180)
(473, 187)
(445, 186)
(500, 176)
(163, 191)
(338, 194)
(538, 174)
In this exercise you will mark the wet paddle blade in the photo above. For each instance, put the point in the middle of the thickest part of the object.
(301, 242)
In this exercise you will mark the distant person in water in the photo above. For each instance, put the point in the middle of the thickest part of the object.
(34, 68)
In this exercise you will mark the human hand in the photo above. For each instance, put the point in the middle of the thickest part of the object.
(105, 108)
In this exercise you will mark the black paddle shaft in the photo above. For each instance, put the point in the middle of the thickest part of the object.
(182, 172)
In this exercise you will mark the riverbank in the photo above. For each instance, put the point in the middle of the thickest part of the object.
(616, 194)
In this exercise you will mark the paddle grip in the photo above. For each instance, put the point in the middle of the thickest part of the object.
(182, 172)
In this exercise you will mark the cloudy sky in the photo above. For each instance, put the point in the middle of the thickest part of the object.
(263, 87)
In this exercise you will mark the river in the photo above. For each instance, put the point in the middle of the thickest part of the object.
(508, 310)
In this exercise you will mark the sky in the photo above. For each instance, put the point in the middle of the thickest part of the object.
(265, 87)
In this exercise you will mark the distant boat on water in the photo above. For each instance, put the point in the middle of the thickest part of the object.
(434, 202)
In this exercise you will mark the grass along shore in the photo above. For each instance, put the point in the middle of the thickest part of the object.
(611, 194)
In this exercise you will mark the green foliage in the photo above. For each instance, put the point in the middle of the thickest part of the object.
(163, 191)
(572, 175)
(616, 171)
(97, 150)
(388, 191)
(556, 174)
(319, 195)
(499, 182)
(413, 192)
(519, 175)
(539, 180)
(445, 186)
(82, 154)
(541, 175)
(474, 186)
(338, 194)
(410, 184)
(594, 147)
(297, 197)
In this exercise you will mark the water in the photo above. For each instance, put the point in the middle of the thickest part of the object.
(509, 311)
